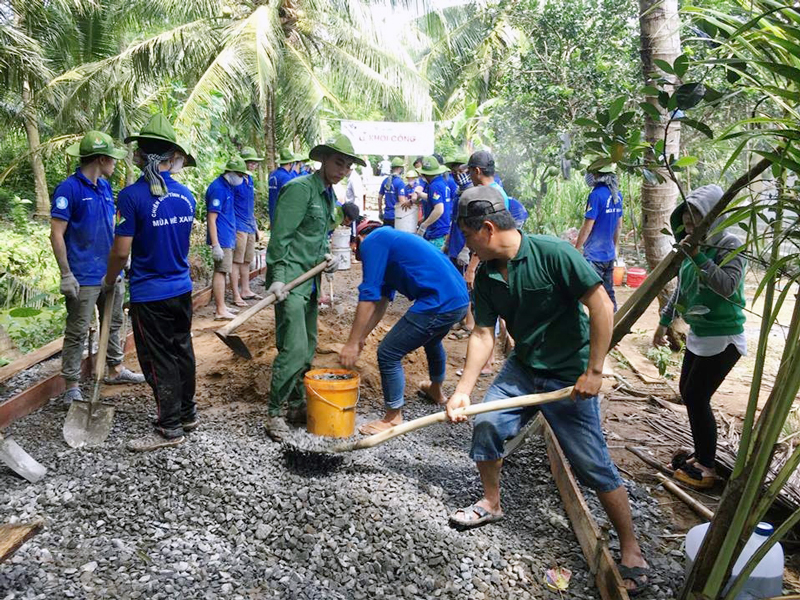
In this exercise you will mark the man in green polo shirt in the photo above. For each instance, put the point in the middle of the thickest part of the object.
(305, 212)
(540, 286)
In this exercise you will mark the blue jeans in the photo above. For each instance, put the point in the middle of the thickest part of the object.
(414, 330)
(575, 423)
(605, 269)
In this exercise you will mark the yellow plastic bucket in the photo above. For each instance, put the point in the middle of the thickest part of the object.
(331, 402)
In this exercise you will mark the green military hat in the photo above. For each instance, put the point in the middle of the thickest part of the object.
(249, 153)
(339, 144)
(411, 174)
(160, 129)
(457, 159)
(237, 165)
(94, 143)
(398, 162)
(286, 156)
(301, 157)
(431, 166)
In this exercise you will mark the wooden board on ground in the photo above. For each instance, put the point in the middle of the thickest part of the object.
(13, 536)
(595, 549)
(646, 370)
(30, 359)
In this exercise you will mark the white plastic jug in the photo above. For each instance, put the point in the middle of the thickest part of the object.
(340, 246)
(766, 580)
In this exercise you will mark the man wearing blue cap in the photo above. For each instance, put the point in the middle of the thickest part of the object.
(81, 233)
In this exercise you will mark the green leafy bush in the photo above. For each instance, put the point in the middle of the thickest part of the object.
(31, 328)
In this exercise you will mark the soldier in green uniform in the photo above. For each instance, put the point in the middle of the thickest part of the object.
(304, 214)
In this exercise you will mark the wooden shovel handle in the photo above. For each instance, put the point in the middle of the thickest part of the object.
(105, 332)
(472, 409)
(270, 299)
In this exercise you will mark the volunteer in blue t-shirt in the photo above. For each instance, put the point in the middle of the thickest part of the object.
(244, 199)
(154, 222)
(436, 207)
(279, 178)
(81, 232)
(392, 192)
(396, 261)
(599, 234)
(456, 247)
(221, 232)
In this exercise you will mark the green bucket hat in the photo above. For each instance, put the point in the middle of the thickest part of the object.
(339, 144)
(398, 162)
(249, 153)
(457, 159)
(96, 142)
(301, 157)
(159, 128)
(237, 165)
(430, 166)
(286, 156)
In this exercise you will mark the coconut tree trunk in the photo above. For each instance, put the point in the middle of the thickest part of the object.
(269, 131)
(32, 132)
(660, 39)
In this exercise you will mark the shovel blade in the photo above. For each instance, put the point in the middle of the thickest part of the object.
(88, 424)
(19, 461)
(235, 343)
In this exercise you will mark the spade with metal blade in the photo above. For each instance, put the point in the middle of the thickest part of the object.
(89, 423)
(19, 461)
(233, 341)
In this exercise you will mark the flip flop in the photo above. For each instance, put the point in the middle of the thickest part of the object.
(242, 304)
(253, 297)
(484, 517)
(694, 477)
(370, 428)
(228, 317)
(635, 575)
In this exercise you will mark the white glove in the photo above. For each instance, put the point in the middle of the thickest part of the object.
(69, 285)
(109, 288)
(463, 257)
(333, 263)
(216, 253)
(277, 289)
(421, 231)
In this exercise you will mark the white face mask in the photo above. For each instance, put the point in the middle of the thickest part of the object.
(234, 179)
(177, 164)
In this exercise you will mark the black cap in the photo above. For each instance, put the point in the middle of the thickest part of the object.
(480, 200)
(481, 159)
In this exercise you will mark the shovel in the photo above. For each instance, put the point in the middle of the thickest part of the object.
(233, 341)
(89, 423)
(324, 458)
(19, 461)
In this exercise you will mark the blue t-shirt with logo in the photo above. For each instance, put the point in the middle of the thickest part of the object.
(160, 228)
(220, 200)
(88, 210)
(391, 188)
(399, 261)
(606, 213)
(277, 179)
(453, 186)
(438, 193)
(244, 198)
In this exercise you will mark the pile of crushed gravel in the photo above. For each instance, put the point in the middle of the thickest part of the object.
(225, 516)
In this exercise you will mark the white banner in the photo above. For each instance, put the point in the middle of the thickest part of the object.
(380, 137)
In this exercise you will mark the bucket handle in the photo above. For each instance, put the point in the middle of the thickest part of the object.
(329, 403)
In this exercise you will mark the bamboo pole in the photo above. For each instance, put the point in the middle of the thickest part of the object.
(700, 509)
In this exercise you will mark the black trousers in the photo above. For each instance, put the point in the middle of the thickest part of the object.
(605, 269)
(162, 331)
(700, 378)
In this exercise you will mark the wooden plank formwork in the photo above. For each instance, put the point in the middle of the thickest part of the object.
(595, 549)
(13, 536)
(39, 394)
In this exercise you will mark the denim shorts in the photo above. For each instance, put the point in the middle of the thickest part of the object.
(575, 423)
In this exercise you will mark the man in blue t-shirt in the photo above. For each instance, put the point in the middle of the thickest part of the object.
(221, 232)
(154, 222)
(393, 191)
(436, 203)
(599, 234)
(279, 178)
(81, 232)
(396, 261)
(244, 198)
